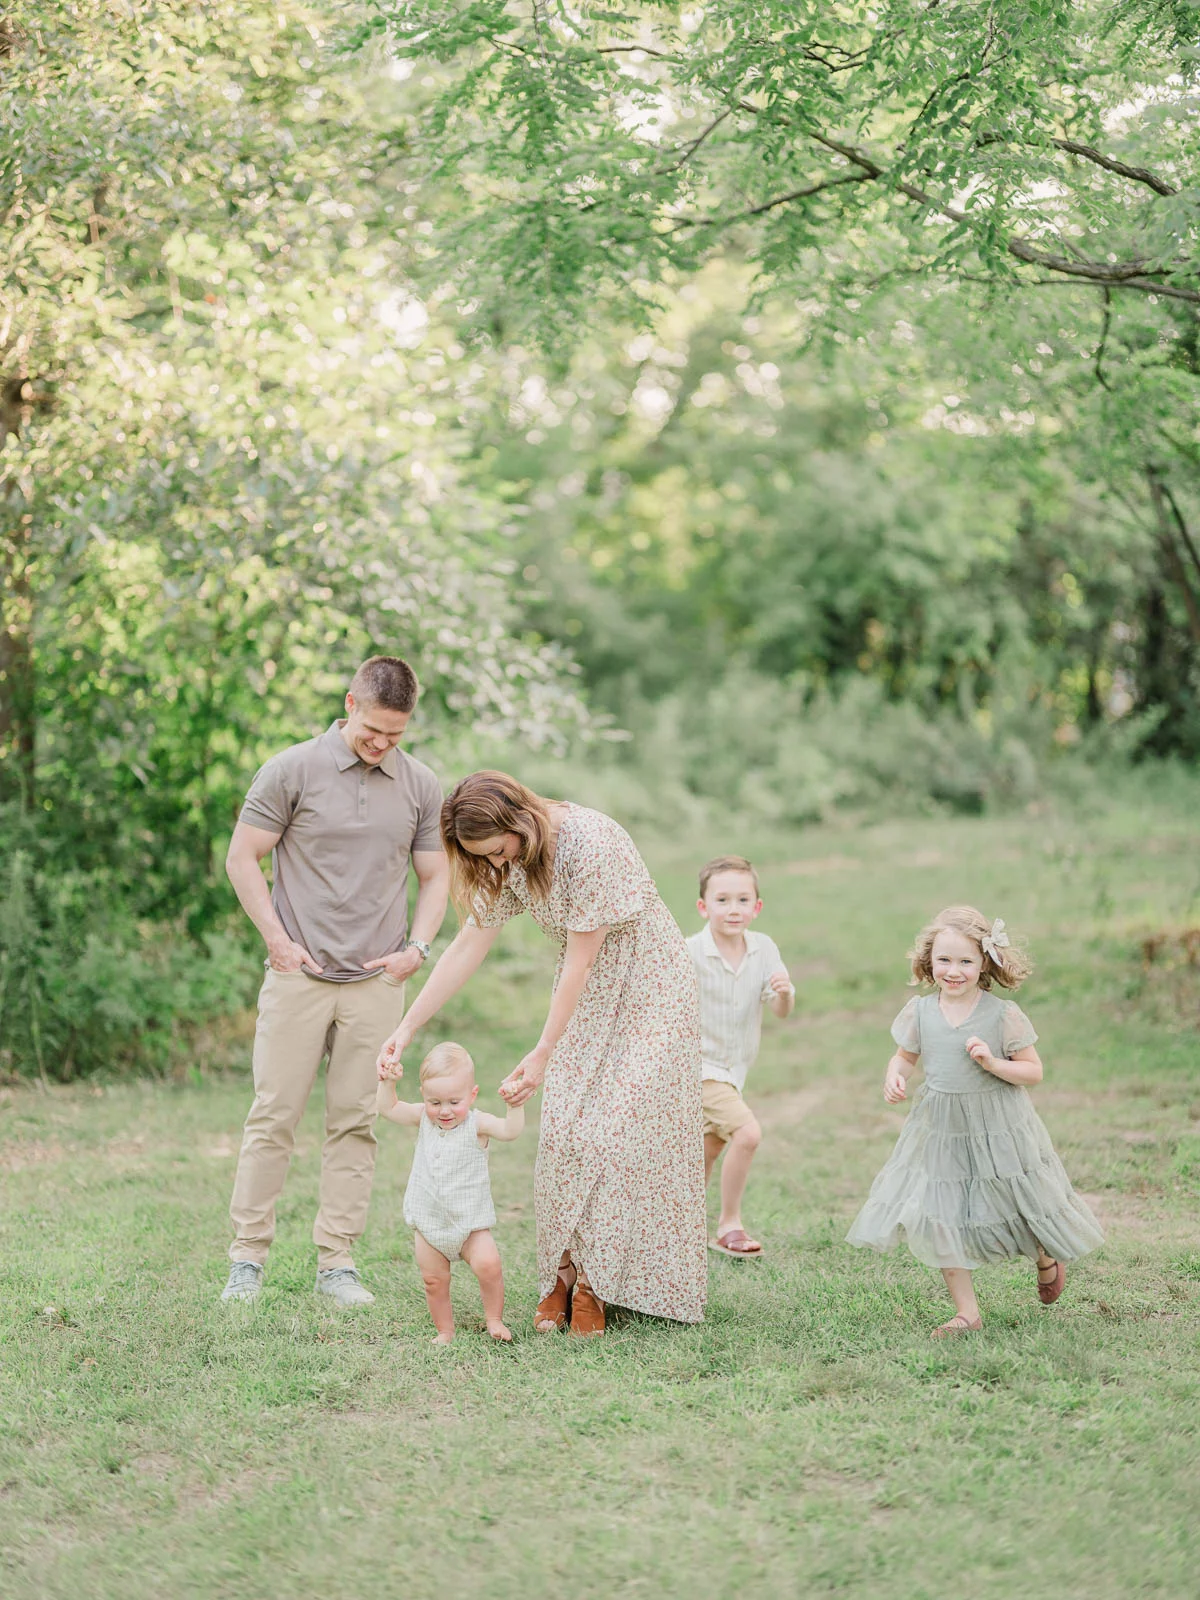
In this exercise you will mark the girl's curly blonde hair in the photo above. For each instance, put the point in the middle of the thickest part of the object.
(1009, 967)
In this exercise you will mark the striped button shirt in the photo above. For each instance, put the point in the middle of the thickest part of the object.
(731, 1003)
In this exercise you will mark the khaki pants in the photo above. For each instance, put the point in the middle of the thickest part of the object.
(299, 1019)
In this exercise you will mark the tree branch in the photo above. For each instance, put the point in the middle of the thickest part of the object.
(1135, 174)
(689, 150)
(1128, 275)
(769, 205)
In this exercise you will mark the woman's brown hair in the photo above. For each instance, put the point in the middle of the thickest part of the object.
(1009, 967)
(481, 807)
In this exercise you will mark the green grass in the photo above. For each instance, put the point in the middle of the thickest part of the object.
(808, 1439)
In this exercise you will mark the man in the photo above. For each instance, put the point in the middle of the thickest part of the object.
(342, 813)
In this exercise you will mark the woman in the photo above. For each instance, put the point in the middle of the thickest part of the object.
(619, 1186)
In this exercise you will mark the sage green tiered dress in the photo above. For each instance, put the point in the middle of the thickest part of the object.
(974, 1177)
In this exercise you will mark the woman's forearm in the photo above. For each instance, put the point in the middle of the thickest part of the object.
(456, 964)
(582, 950)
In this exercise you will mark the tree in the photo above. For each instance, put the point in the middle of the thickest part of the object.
(1015, 185)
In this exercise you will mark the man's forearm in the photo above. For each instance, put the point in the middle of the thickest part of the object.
(254, 897)
(430, 910)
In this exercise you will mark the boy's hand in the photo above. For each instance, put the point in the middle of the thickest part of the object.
(895, 1086)
(781, 983)
(979, 1052)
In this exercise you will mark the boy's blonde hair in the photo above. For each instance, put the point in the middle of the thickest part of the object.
(444, 1060)
(726, 864)
(1009, 966)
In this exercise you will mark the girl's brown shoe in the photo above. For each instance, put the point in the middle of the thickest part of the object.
(1048, 1292)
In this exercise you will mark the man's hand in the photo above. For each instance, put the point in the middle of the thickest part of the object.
(399, 966)
(285, 955)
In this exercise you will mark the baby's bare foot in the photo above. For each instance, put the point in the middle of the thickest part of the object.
(443, 1338)
(499, 1331)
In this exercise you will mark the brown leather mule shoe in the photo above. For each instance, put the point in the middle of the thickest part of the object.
(587, 1313)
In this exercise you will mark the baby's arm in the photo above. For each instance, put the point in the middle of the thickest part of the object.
(502, 1128)
(783, 996)
(1023, 1067)
(899, 1070)
(407, 1113)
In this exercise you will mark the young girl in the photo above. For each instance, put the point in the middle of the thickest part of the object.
(448, 1202)
(974, 1177)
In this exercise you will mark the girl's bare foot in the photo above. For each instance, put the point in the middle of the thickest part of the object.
(499, 1331)
(443, 1338)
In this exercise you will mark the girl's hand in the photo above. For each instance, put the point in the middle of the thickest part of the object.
(979, 1052)
(895, 1086)
(526, 1078)
(388, 1063)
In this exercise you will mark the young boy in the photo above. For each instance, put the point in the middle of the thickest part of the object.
(448, 1202)
(738, 972)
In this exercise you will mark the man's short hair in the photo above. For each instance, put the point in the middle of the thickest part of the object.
(726, 864)
(385, 681)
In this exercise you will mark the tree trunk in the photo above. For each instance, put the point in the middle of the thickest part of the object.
(1171, 556)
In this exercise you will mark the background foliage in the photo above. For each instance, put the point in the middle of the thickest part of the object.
(775, 408)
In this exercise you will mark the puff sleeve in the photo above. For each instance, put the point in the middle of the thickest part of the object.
(604, 879)
(505, 905)
(906, 1030)
(1016, 1030)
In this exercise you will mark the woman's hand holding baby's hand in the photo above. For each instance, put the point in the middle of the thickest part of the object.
(979, 1052)
(388, 1062)
(895, 1086)
(525, 1079)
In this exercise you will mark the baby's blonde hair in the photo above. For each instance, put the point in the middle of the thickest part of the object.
(444, 1060)
(1009, 967)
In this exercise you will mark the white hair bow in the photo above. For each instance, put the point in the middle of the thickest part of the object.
(992, 943)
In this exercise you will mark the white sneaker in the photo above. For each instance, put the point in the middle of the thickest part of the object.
(344, 1287)
(245, 1281)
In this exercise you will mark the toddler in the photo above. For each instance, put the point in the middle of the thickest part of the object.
(448, 1202)
(738, 972)
(974, 1177)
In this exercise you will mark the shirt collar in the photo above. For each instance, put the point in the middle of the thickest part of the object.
(709, 946)
(344, 758)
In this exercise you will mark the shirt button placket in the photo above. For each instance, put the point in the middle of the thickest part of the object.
(362, 794)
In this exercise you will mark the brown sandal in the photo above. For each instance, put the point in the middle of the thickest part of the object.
(554, 1308)
(956, 1325)
(735, 1242)
(1048, 1293)
(587, 1313)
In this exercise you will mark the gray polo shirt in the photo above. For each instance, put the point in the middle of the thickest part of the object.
(347, 832)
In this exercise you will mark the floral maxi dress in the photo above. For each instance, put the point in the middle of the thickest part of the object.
(619, 1180)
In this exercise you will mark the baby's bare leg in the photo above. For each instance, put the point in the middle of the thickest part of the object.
(481, 1255)
(435, 1275)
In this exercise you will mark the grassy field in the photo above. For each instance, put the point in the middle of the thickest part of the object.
(808, 1439)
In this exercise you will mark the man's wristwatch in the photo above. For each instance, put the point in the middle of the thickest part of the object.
(419, 946)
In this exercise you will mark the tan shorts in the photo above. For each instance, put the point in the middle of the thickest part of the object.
(724, 1109)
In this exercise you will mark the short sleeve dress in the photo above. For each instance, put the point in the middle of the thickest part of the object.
(974, 1177)
(619, 1180)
